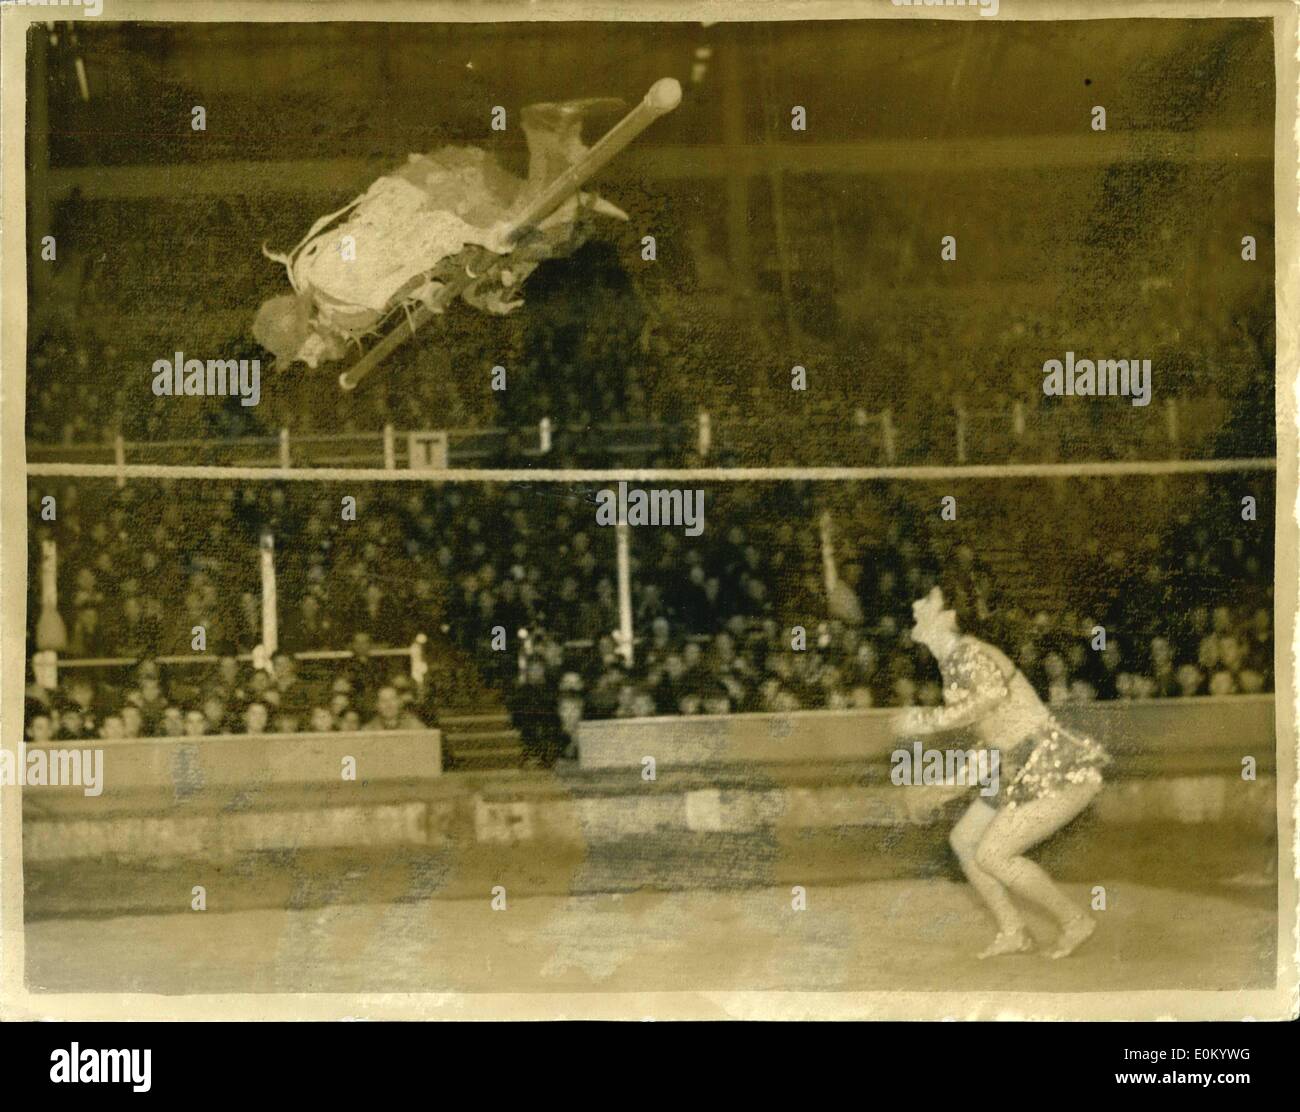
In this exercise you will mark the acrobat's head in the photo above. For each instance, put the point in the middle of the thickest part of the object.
(931, 618)
(282, 326)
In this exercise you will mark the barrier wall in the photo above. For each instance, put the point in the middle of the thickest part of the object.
(1170, 735)
(741, 798)
(182, 765)
(216, 797)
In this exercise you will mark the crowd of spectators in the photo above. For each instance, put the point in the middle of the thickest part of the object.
(228, 698)
(718, 617)
(596, 351)
(521, 581)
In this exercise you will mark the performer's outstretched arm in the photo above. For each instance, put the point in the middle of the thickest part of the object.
(975, 688)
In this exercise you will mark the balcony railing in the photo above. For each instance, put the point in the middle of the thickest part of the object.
(955, 434)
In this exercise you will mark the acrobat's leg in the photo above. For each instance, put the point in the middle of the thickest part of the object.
(965, 839)
(1015, 829)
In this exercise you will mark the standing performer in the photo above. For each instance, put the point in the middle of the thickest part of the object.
(1048, 776)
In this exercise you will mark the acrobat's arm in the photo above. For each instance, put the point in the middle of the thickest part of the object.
(977, 687)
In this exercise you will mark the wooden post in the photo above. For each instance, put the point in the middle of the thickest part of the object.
(270, 621)
(625, 633)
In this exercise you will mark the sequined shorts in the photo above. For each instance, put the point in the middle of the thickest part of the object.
(1049, 759)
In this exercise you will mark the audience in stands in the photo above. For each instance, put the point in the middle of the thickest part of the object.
(735, 620)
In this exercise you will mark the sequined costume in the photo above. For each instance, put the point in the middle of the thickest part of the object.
(985, 690)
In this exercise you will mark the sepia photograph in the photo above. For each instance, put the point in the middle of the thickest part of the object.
(535, 513)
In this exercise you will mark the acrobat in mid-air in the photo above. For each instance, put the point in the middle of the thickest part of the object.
(448, 224)
(1049, 775)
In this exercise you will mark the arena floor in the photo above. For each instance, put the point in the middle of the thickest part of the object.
(887, 935)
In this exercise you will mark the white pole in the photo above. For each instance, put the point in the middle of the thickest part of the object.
(418, 666)
(622, 533)
(830, 573)
(45, 668)
(270, 632)
(284, 448)
(705, 434)
(544, 435)
(119, 458)
(51, 630)
(390, 448)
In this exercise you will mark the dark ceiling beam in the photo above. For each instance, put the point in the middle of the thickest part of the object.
(179, 181)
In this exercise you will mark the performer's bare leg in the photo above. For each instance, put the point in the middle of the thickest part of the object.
(1001, 853)
(965, 839)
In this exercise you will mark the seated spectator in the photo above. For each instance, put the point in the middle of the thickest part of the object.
(570, 712)
(215, 715)
(860, 697)
(151, 701)
(1207, 653)
(364, 670)
(1164, 681)
(132, 720)
(603, 700)
(904, 692)
(88, 638)
(389, 714)
(229, 684)
(1223, 682)
(71, 724)
(81, 694)
(716, 700)
(1143, 687)
(1190, 679)
(262, 689)
(256, 717)
(1252, 682)
(308, 629)
(1081, 691)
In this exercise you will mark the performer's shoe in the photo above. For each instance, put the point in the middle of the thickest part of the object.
(1017, 942)
(1073, 935)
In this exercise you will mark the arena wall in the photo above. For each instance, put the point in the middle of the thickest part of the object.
(1209, 734)
(811, 799)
